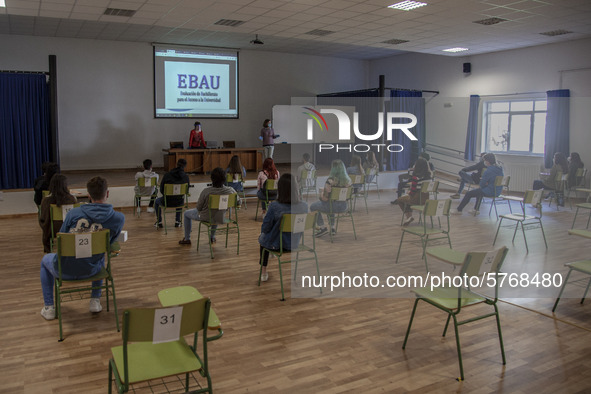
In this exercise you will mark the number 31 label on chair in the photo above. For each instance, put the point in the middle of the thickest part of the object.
(167, 324)
(83, 245)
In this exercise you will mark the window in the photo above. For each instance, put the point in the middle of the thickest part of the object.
(514, 126)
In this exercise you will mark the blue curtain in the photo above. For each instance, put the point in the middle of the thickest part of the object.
(472, 133)
(557, 125)
(411, 102)
(24, 128)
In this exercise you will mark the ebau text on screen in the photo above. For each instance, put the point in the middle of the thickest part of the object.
(191, 81)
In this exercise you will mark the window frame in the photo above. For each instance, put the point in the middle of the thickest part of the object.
(486, 113)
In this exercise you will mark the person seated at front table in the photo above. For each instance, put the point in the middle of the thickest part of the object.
(59, 195)
(268, 172)
(288, 201)
(336, 178)
(201, 212)
(196, 139)
(487, 186)
(98, 212)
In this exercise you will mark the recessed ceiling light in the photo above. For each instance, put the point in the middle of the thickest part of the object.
(2, 3)
(458, 49)
(407, 5)
(556, 32)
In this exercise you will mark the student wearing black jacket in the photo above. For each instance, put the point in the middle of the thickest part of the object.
(176, 176)
(473, 178)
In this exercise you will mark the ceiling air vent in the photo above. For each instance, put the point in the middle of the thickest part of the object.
(490, 21)
(556, 32)
(119, 12)
(319, 32)
(229, 22)
(394, 41)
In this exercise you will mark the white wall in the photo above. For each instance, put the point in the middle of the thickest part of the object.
(105, 96)
(536, 69)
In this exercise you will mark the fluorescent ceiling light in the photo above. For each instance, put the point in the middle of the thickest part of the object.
(455, 49)
(2, 3)
(407, 5)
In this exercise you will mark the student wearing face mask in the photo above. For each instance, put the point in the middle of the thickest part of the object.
(196, 138)
(268, 137)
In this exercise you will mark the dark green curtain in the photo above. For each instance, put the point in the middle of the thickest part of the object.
(472, 133)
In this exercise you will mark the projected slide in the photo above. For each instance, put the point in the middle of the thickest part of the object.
(195, 83)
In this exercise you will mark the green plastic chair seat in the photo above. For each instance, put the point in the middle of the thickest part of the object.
(418, 230)
(581, 266)
(149, 361)
(446, 254)
(518, 217)
(580, 233)
(586, 205)
(447, 297)
(183, 294)
(102, 274)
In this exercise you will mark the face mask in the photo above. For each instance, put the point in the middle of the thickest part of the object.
(269, 125)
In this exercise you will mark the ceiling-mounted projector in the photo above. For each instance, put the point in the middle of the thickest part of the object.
(256, 41)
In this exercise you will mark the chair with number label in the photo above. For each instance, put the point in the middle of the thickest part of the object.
(236, 181)
(155, 355)
(145, 190)
(338, 195)
(58, 214)
(174, 190)
(502, 181)
(223, 217)
(359, 190)
(82, 245)
(308, 183)
(432, 208)
(371, 179)
(270, 192)
(428, 188)
(526, 222)
(453, 299)
(297, 224)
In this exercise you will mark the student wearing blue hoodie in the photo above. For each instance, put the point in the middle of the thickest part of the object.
(487, 186)
(98, 212)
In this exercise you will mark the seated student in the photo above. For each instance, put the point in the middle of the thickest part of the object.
(473, 178)
(59, 195)
(574, 163)
(176, 176)
(414, 196)
(548, 182)
(268, 172)
(218, 177)
(306, 166)
(422, 172)
(42, 183)
(336, 178)
(370, 163)
(97, 212)
(356, 169)
(288, 201)
(238, 172)
(487, 186)
(146, 190)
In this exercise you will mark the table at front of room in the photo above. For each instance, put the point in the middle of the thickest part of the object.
(205, 160)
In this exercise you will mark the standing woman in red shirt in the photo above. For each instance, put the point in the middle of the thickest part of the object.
(196, 139)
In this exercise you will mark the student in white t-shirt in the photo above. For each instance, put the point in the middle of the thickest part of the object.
(146, 190)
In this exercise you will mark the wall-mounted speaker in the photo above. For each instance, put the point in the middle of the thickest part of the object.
(467, 68)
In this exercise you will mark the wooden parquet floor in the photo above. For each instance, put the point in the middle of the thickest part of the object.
(348, 340)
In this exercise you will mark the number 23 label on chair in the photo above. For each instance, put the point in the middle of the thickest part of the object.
(167, 324)
(83, 245)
